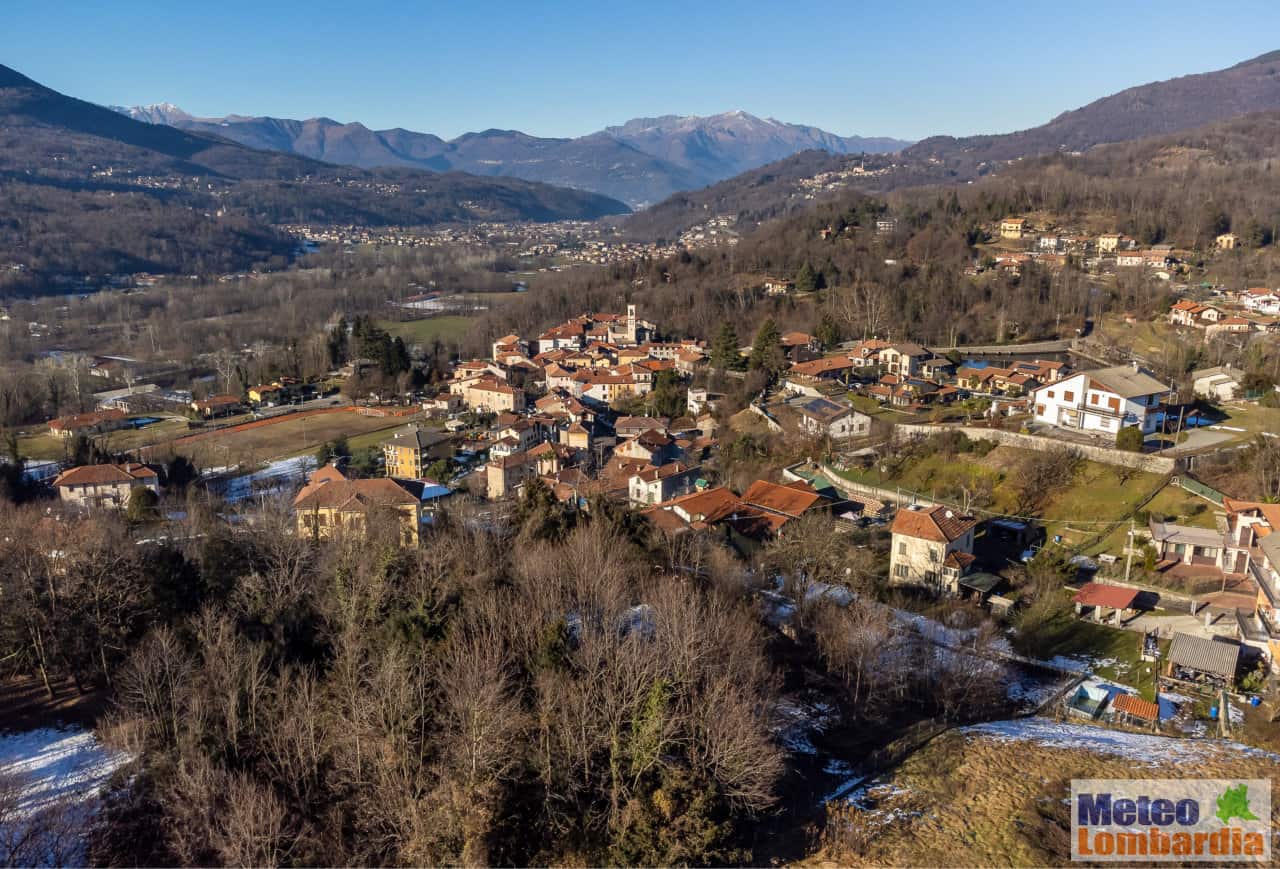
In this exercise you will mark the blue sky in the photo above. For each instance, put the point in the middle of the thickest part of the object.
(567, 68)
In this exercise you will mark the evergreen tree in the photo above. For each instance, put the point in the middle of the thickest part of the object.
(828, 331)
(806, 280)
(766, 350)
(724, 349)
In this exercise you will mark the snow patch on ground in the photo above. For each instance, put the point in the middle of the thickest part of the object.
(1140, 747)
(273, 478)
(56, 765)
(50, 782)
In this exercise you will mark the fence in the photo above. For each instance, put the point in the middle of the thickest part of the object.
(1105, 455)
(1196, 487)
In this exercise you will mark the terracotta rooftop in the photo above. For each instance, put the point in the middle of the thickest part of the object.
(102, 475)
(791, 500)
(1098, 594)
(940, 524)
(1133, 705)
(350, 495)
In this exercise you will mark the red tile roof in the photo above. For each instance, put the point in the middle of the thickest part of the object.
(1100, 594)
(1136, 706)
(790, 500)
(940, 524)
(102, 475)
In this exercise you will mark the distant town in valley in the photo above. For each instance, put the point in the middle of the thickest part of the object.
(817, 500)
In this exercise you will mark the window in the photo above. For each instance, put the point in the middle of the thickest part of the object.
(1068, 396)
(1114, 404)
(933, 555)
(900, 570)
(1051, 393)
(931, 577)
(1095, 398)
(902, 547)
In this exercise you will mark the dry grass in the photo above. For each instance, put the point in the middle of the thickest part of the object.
(965, 801)
(290, 437)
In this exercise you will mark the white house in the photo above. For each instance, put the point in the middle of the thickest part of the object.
(1261, 300)
(932, 547)
(655, 485)
(822, 416)
(1220, 383)
(1101, 401)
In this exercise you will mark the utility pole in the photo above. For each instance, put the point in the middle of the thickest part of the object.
(1128, 564)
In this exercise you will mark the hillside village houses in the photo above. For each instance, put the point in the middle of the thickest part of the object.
(1101, 401)
(108, 486)
(931, 547)
(330, 505)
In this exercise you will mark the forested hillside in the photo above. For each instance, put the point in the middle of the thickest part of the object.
(86, 190)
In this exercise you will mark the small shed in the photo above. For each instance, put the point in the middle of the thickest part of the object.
(1132, 709)
(1208, 664)
(1101, 599)
(980, 585)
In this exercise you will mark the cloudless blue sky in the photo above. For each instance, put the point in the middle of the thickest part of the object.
(566, 68)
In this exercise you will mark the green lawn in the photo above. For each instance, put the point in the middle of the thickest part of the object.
(1175, 504)
(1116, 653)
(447, 329)
(1252, 417)
(46, 446)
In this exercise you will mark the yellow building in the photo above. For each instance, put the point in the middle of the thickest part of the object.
(1014, 227)
(331, 505)
(1228, 241)
(412, 449)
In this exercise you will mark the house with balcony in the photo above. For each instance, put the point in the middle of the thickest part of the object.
(1102, 401)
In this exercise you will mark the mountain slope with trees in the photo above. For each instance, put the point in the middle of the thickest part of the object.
(86, 190)
(1141, 112)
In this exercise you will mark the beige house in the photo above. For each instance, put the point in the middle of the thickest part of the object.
(330, 505)
(904, 359)
(88, 423)
(505, 474)
(1227, 241)
(932, 547)
(1109, 242)
(488, 394)
(1014, 227)
(98, 486)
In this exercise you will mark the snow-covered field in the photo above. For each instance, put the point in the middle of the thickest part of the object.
(50, 780)
(272, 479)
(1141, 747)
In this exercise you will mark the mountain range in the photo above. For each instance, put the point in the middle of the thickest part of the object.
(87, 190)
(1150, 110)
(640, 162)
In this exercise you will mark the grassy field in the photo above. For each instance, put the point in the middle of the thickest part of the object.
(46, 446)
(1116, 653)
(1145, 338)
(445, 329)
(1253, 418)
(987, 799)
(290, 437)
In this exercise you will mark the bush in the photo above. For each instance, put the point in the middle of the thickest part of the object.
(1130, 439)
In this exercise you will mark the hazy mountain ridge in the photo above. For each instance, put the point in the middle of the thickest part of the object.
(88, 190)
(639, 162)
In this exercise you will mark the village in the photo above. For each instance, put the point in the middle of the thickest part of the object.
(605, 408)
